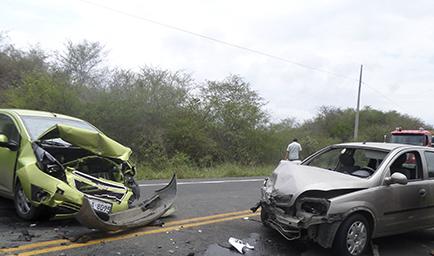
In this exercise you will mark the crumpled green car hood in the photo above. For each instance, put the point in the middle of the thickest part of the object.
(92, 141)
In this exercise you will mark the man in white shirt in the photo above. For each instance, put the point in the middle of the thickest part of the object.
(293, 150)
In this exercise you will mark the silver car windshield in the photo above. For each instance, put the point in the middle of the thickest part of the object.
(36, 125)
(358, 162)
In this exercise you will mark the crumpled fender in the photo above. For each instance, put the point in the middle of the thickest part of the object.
(142, 214)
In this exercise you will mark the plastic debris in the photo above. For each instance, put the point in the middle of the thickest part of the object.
(240, 245)
(245, 218)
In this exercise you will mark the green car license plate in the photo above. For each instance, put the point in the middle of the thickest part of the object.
(101, 206)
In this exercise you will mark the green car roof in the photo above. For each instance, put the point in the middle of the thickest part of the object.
(27, 112)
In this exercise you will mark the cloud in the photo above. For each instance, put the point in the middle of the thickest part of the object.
(392, 39)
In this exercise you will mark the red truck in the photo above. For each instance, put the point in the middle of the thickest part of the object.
(419, 137)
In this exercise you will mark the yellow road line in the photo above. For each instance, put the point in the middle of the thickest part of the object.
(170, 223)
(34, 245)
(132, 235)
(167, 224)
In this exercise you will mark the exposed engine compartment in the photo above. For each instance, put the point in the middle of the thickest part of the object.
(56, 157)
(65, 155)
(96, 166)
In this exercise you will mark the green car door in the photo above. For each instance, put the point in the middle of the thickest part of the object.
(9, 144)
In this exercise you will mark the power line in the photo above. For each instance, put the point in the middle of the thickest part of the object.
(381, 94)
(233, 45)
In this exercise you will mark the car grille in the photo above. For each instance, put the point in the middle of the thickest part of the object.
(67, 207)
(102, 189)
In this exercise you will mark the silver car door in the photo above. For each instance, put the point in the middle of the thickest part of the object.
(429, 179)
(405, 206)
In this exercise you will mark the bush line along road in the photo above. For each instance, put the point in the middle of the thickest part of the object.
(171, 121)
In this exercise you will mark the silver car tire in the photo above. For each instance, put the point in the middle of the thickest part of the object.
(23, 206)
(353, 236)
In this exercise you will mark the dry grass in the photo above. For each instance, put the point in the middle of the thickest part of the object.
(185, 171)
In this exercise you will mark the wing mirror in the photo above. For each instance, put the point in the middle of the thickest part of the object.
(396, 178)
(3, 139)
(5, 143)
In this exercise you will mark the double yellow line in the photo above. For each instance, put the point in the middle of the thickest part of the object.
(63, 244)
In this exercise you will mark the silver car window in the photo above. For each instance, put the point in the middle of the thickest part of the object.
(409, 164)
(327, 160)
(429, 156)
(359, 162)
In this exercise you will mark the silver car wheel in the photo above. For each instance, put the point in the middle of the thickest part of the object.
(356, 238)
(23, 203)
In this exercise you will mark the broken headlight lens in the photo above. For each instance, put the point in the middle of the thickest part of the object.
(315, 206)
(47, 163)
(282, 200)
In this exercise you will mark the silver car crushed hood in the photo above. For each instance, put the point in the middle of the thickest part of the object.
(293, 179)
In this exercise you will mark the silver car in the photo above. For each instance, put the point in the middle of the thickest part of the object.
(346, 194)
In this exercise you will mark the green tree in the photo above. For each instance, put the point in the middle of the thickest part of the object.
(82, 62)
(16, 64)
(234, 112)
(43, 91)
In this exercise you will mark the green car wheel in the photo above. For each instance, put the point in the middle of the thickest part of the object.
(23, 206)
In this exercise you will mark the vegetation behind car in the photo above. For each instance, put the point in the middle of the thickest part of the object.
(170, 119)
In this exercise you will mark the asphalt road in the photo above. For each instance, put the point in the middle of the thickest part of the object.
(208, 213)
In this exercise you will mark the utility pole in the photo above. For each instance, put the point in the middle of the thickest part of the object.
(356, 122)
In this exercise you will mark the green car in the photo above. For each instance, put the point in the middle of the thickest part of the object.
(57, 164)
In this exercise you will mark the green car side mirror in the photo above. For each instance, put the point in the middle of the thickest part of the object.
(5, 143)
(3, 140)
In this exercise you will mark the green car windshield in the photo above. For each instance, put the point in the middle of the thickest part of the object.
(36, 125)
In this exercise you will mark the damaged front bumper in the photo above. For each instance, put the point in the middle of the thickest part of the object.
(320, 229)
(287, 226)
(143, 214)
(299, 220)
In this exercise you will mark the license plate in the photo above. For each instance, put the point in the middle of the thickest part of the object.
(100, 206)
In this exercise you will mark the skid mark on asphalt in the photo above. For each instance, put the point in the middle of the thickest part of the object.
(63, 244)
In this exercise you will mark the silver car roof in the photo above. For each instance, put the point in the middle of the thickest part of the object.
(378, 145)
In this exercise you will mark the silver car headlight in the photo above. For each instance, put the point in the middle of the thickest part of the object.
(315, 206)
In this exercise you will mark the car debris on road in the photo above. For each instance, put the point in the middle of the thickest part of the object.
(240, 245)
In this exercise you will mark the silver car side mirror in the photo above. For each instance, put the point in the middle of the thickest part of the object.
(397, 178)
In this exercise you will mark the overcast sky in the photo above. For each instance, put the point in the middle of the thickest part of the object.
(394, 40)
